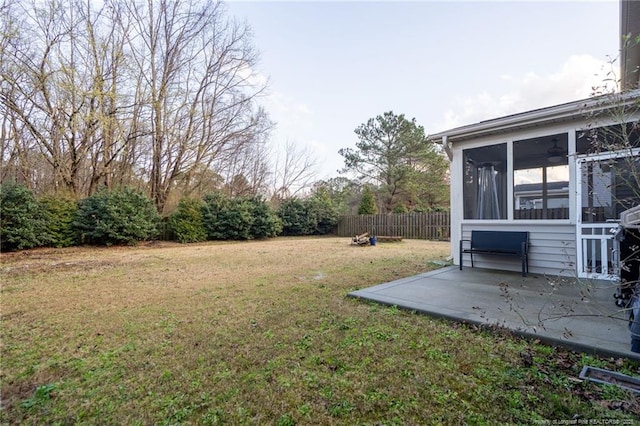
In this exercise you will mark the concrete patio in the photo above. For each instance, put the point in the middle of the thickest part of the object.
(580, 315)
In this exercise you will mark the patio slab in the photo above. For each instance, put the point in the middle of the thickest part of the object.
(578, 314)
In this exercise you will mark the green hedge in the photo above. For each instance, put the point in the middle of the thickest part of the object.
(21, 221)
(296, 218)
(241, 218)
(123, 216)
(266, 222)
(58, 214)
(316, 215)
(127, 216)
(187, 222)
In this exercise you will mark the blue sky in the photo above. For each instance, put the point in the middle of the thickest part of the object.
(333, 65)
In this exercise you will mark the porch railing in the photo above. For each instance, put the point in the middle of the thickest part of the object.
(599, 255)
(555, 213)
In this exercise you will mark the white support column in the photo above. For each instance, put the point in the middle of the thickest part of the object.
(604, 256)
(510, 179)
(573, 205)
(456, 200)
(576, 214)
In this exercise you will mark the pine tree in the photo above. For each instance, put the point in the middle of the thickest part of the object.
(368, 203)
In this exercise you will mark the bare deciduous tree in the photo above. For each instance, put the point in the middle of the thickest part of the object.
(158, 94)
(247, 172)
(62, 87)
(198, 68)
(294, 171)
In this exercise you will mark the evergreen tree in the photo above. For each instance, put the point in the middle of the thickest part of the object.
(394, 154)
(58, 214)
(368, 203)
(21, 224)
(123, 216)
(296, 217)
(187, 223)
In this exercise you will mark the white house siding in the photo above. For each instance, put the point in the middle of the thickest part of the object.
(552, 248)
(553, 243)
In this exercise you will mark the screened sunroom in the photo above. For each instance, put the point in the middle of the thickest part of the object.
(563, 173)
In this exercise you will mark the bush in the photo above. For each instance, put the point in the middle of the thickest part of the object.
(121, 216)
(400, 208)
(236, 220)
(324, 213)
(187, 223)
(21, 223)
(239, 218)
(316, 215)
(58, 214)
(214, 205)
(296, 218)
(266, 222)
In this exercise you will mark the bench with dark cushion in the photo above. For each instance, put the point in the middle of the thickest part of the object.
(498, 243)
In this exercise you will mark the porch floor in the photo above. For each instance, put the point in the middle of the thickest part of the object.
(578, 314)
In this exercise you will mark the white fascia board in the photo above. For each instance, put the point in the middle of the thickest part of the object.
(578, 110)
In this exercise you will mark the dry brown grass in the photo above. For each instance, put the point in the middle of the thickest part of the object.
(251, 332)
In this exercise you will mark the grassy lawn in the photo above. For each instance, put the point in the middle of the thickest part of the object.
(263, 333)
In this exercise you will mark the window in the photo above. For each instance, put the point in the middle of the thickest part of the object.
(610, 179)
(485, 182)
(609, 138)
(609, 187)
(541, 178)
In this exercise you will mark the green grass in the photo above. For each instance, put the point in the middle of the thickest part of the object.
(263, 333)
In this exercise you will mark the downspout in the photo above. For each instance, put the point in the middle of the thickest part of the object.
(630, 44)
(447, 147)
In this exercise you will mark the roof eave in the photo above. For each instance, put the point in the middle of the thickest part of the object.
(554, 114)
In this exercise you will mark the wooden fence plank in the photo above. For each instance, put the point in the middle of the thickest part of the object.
(425, 226)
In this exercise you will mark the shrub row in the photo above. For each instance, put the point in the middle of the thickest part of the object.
(126, 216)
(316, 215)
(218, 217)
(107, 217)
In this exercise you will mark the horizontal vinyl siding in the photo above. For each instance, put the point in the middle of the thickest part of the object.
(552, 248)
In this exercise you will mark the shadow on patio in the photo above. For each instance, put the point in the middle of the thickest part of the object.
(580, 315)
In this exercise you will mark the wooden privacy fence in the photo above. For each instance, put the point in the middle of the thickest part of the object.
(424, 226)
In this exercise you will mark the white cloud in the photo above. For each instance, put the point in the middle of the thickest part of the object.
(293, 118)
(251, 76)
(574, 80)
(297, 123)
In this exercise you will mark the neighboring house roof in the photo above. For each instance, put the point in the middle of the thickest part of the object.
(570, 111)
(551, 186)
